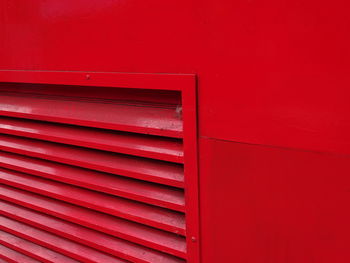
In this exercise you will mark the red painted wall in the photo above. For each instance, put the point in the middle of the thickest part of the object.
(274, 111)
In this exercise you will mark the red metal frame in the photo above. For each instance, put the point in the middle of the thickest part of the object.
(185, 83)
(179, 82)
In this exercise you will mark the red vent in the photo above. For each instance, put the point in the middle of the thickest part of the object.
(97, 174)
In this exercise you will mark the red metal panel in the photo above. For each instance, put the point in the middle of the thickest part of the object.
(284, 205)
(271, 72)
(268, 70)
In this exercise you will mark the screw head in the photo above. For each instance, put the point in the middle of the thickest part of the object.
(88, 76)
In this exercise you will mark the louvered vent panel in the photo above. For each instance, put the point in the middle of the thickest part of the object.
(91, 175)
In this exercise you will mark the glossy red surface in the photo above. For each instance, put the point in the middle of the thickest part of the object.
(136, 233)
(107, 183)
(166, 173)
(13, 256)
(272, 73)
(62, 245)
(3, 261)
(280, 205)
(32, 250)
(149, 215)
(120, 117)
(139, 145)
(149, 180)
(271, 68)
(114, 246)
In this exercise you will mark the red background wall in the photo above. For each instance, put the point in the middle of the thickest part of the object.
(274, 111)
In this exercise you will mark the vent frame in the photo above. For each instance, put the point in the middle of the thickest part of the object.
(184, 83)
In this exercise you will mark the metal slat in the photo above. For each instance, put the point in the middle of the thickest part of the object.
(62, 245)
(148, 120)
(103, 242)
(140, 145)
(33, 250)
(135, 167)
(102, 174)
(134, 211)
(12, 256)
(150, 193)
(140, 234)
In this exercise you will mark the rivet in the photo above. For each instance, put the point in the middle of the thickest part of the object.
(88, 76)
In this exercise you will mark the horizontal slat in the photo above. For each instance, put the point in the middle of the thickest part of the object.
(117, 247)
(138, 212)
(140, 234)
(136, 167)
(148, 120)
(62, 245)
(12, 256)
(33, 250)
(151, 193)
(127, 143)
